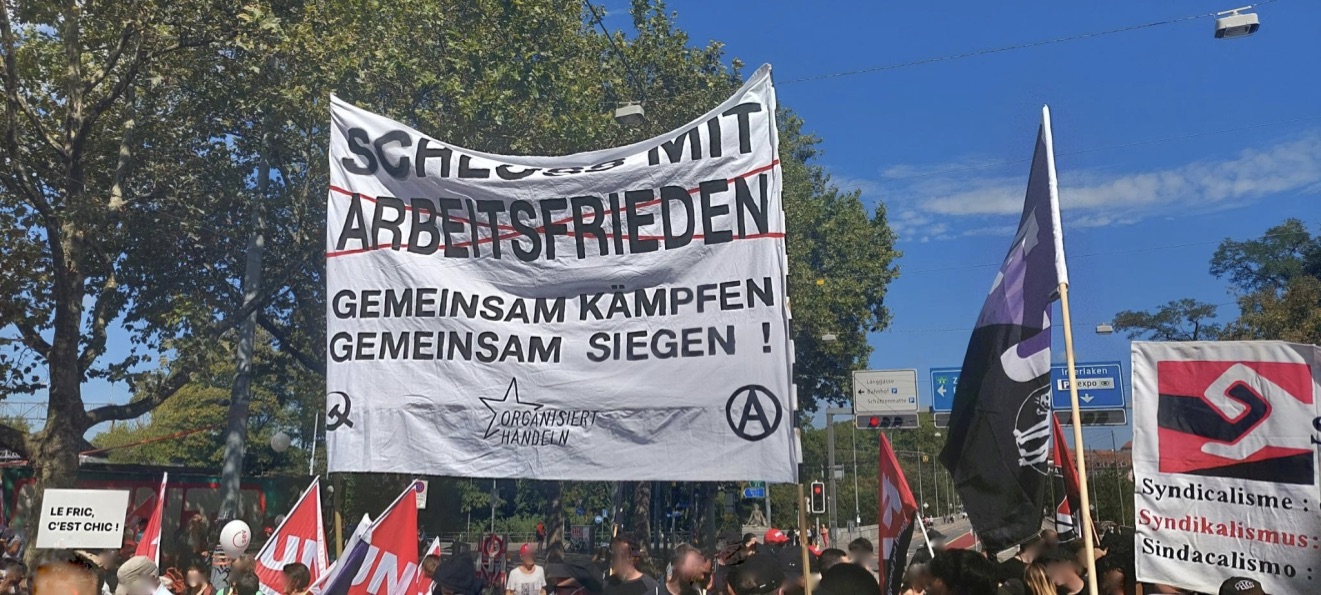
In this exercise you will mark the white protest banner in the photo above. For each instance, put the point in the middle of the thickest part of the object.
(82, 519)
(1225, 464)
(612, 315)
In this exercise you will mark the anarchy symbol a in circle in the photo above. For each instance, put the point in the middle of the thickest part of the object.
(753, 412)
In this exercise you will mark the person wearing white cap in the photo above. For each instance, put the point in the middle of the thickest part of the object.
(140, 576)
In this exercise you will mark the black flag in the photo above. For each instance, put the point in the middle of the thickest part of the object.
(999, 432)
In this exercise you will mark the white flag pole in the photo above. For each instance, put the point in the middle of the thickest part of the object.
(1088, 538)
(917, 516)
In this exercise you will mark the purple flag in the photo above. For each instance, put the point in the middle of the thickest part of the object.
(999, 432)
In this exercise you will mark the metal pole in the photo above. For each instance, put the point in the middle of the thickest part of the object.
(1119, 481)
(770, 520)
(830, 461)
(857, 510)
(920, 495)
(494, 495)
(241, 390)
(935, 480)
(802, 530)
(311, 460)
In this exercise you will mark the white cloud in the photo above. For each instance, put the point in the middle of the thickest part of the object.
(961, 199)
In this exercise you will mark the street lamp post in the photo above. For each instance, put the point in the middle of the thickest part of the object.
(831, 500)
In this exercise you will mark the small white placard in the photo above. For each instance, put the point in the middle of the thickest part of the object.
(82, 519)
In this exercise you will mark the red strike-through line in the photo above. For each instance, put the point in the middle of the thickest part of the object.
(542, 228)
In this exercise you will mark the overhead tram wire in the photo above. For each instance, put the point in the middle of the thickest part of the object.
(951, 57)
(1095, 254)
(628, 68)
(1007, 48)
(1105, 148)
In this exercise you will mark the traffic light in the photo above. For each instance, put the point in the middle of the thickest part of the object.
(818, 498)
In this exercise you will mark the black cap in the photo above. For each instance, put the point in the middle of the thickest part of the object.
(1241, 585)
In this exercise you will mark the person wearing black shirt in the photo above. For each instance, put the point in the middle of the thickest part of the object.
(625, 578)
(1016, 567)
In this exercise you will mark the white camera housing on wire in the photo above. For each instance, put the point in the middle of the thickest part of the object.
(1231, 24)
(630, 114)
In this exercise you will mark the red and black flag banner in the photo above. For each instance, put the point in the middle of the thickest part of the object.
(1067, 511)
(898, 508)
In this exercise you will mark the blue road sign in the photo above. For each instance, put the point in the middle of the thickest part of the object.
(754, 493)
(943, 382)
(1100, 386)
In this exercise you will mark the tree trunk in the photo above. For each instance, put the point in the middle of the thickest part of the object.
(56, 449)
(641, 520)
(555, 522)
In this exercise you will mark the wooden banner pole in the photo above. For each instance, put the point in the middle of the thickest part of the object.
(1088, 532)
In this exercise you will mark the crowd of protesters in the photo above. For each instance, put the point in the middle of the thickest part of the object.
(740, 565)
(771, 565)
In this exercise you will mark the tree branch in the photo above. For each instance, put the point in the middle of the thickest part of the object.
(125, 80)
(14, 439)
(153, 396)
(100, 318)
(182, 371)
(32, 338)
(112, 59)
(313, 364)
(35, 121)
(16, 164)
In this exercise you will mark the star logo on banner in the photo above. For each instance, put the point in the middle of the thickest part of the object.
(503, 404)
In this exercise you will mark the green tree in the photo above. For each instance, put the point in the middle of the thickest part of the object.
(1277, 278)
(1282, 254)
(1179, 320)
(133, 131)
(1291, 315)
(188, 429)
(103, 166)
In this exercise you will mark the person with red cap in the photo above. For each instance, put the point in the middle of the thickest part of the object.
(775, 537)
(528, 578)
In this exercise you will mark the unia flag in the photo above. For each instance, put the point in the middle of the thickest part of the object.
(300, 538)
(383, 559)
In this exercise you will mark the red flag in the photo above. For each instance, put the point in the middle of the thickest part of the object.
(300, 537)
(384, 561)
(142, 511)
(897, 511)
(423, 582)
(1070, 502)
(150, 544)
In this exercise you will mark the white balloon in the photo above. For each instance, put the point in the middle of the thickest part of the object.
(280, 441)
(234, 538)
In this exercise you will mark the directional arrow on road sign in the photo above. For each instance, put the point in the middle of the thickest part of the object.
(1087, 397)
(941, 390)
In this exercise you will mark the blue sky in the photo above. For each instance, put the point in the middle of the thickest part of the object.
(945, 145)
